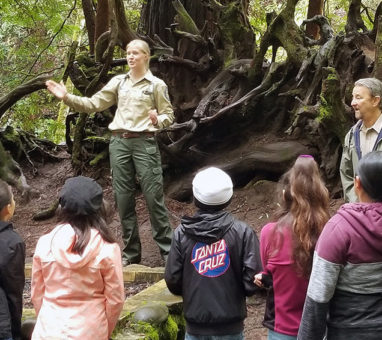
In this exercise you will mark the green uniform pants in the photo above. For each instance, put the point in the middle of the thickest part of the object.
(139, 156)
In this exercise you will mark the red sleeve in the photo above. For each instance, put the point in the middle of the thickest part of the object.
(264, 245)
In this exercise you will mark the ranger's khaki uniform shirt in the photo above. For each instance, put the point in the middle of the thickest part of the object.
(133, 101)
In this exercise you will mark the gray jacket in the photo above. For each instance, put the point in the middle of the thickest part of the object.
(351, 154)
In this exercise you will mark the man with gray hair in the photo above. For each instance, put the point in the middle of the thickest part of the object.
(366, 135)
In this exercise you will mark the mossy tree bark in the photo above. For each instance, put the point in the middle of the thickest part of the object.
(282, 31)
(378, 51)
(17, 146)
(87, 6)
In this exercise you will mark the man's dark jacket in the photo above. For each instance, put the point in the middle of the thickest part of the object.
(212, 263)
(12, 260)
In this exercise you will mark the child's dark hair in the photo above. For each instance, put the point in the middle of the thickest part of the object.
(5, 194)
(83, 207)
(211, 208)
(83, 223)
(369, 172)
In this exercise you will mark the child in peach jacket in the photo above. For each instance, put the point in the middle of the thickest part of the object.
(77, 280)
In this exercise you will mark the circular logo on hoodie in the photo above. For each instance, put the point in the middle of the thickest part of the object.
(210, 260)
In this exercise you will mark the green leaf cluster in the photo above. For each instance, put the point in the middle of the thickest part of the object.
(133, 12)
(34, 36)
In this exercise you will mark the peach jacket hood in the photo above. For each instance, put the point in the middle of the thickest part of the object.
(76, 296)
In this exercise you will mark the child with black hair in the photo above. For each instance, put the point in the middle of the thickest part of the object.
(12, 261)
(77, 280)
(212, 261)
(344, 299)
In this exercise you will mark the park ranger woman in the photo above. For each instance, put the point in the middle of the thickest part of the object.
(143, 107)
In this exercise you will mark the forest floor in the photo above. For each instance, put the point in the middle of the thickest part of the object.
(253, 204)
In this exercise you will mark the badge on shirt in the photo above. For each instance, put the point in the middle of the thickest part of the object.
(147, 92)
(210, 260)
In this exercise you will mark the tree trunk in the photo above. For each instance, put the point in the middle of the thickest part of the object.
(282, 31)
(377, 73)
(378, 14)
(315, 7)
(101, 18)
(354, 20)
(125, 33)
(87, 7)
(158, 15)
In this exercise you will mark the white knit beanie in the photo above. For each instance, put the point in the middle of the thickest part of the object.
(212, 186)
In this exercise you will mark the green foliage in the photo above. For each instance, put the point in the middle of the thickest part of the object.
(181, 324)
(34, 36)
(368, 12)
(151, 333)
(169, 330)
(336, 12)
(257, 14)
(133, 12)
(33, 114)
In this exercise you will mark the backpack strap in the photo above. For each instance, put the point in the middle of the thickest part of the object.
(357, 139)
(379, 138)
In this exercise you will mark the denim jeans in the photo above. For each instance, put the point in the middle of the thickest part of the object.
(278, 336)
(239, 336)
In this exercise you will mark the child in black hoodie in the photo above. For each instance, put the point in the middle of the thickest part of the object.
(12, 260)
(212, 262)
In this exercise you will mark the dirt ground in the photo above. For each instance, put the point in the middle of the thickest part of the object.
(253, 204)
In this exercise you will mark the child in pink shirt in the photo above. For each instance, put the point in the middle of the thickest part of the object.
(287, 247)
